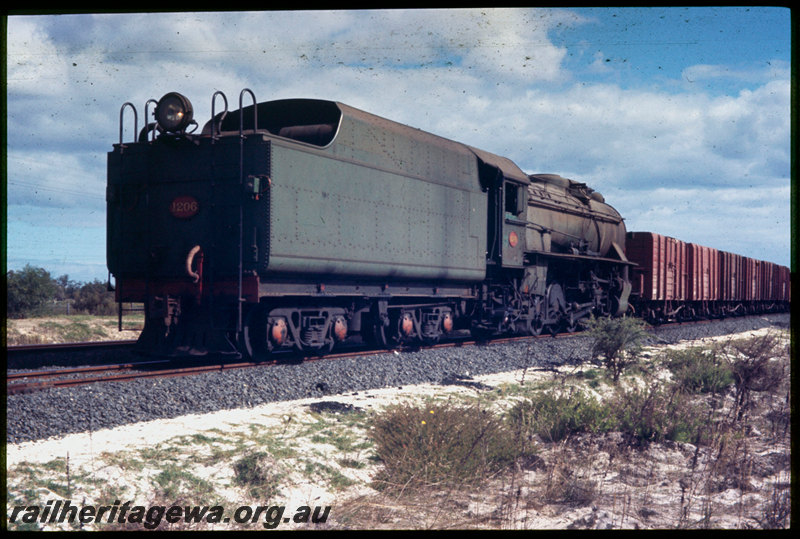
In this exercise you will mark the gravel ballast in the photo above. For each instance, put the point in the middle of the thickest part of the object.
(57, 412)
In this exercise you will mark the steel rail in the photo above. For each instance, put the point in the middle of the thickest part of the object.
(25, 387)
(67, 346)
(81, 370)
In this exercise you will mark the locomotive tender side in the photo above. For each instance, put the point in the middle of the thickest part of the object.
(377, 200)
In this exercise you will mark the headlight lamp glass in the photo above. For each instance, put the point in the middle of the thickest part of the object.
(174, 112)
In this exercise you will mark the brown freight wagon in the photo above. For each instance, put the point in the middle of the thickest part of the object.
(767, 279)
(731, 283)
(750, 280)
(775, 285)
(660, 280)
(703, 291)
(674, 280)
(784, 284)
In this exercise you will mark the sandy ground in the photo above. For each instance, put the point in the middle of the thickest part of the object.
(56, 329)
(83, 446)
(643, 492)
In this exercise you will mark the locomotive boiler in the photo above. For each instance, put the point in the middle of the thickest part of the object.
(305, 223)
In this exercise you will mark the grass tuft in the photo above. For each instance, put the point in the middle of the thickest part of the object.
(441, 444)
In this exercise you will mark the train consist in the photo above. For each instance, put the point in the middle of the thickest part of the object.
(675, 280)
(303, 223)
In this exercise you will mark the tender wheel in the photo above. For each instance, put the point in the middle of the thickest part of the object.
(379, 335)
(430, 341)
(325, 348)
(405, 326)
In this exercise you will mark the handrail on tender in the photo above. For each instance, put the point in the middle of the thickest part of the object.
(255, 111)
(135, 121)
(214, 125)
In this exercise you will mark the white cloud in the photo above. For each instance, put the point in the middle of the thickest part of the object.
(749, 221)
(29, 60)
(56, 179)
(600, 63)
(775, 69)
(489, 78)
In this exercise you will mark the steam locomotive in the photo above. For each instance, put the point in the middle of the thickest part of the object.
(304, 223)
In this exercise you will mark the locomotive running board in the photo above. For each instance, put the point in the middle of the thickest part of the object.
(566, 256)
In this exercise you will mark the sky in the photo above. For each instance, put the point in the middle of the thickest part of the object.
(679, 116)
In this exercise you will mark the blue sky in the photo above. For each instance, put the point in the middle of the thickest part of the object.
(653, 48)
(679, 116)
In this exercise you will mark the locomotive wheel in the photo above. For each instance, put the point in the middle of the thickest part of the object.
(570, 324)
(535, 326)
(555, 304)
(532, 323)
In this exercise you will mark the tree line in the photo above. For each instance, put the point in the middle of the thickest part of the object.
(32, 292)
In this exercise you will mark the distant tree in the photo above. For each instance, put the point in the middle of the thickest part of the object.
(66, 287)
(28, 291)
(94, 298)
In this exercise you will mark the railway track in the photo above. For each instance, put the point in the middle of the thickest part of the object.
(76, 346)
(35, 356)
(30, 381)
(22, 383)
(37, 380)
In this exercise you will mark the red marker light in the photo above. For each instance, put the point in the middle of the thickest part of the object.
(513, 239)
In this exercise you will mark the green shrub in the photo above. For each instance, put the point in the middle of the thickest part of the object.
(259, 473)
(699, 370)
(755, 368)
(658, 413)
(554, 417)
(441, 444)
(32, 292)
(617, 340)
(565, 486)
(94, 298)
